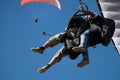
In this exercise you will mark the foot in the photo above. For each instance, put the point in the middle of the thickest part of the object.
(38, 49)
(79, 49)
(44, 68)
(83, 63)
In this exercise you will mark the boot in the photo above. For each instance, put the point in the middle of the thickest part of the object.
(44, 68)
(78, 49)
(83, 63)
(38, 49)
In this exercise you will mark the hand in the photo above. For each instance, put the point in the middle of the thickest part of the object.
(81, 8)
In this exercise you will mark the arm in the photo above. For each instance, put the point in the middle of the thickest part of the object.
(89, 13)
(86, 12)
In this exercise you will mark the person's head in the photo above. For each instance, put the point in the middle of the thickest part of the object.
(36, 20)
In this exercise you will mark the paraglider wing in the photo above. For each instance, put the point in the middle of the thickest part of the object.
(53, 2)
(111, 9)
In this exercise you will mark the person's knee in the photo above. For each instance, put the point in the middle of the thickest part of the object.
(72, 57)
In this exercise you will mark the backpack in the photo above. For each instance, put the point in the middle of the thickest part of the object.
(102, 29)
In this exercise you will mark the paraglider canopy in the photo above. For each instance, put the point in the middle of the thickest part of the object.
(53, 2)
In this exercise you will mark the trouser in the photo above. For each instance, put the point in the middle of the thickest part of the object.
(84, 42)
(56, 39)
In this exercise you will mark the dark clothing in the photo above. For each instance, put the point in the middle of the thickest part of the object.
(101, 31)
(75, 21)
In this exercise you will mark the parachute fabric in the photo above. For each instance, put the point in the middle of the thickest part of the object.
(111, 9)
(53, 2)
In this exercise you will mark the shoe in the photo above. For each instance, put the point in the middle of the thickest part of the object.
(83, 63)
(79, 49)
(38, 49)
(44, 68)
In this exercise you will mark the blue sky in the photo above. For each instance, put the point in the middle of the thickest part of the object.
(19, 33)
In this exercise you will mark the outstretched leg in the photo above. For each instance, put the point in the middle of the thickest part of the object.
(43, 47)
(50, 43)
(56, 58)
